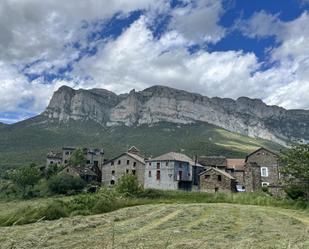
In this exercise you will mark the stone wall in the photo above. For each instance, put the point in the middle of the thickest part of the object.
(210, 182)
(125, 164)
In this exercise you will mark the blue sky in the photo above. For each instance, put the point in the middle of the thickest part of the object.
(225, 48)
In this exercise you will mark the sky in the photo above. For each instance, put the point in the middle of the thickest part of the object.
(224, 48)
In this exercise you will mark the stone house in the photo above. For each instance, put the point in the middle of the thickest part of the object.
(172, 171)
(83, 172)
(130, 162)
(54, 158)
(259, 168)
(215, 180)
(264, 170)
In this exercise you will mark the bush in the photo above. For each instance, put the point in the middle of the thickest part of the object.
(295, 192)
(128, 185)
(65, 184)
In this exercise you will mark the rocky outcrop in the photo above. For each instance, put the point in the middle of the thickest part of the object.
(249, 117)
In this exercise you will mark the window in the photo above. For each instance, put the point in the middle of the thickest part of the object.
(264, 171)
(216, 189)
(166, 164)
(65, 161)
(219, 178)
(265, 184)
(180, 165)
(207, 176)
(158, 175)
(51, 162)
(88, 161)
(113, 172)
(149, 163)
(67, 153)
(158, 165)
(127, 171)
(96, 163)
(119, 161)
(134, 172)
(149, 173)
(128, 162)
(112, 162)
(189, 174)
(180, 175)
(134, 164)
(112, 182)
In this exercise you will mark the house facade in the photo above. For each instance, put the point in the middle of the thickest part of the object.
(214, 180)
(172, 171)
(263, 166)
(130, 162)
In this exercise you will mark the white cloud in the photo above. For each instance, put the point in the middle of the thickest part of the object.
(198, 21)
(137, 60)
(289, 77)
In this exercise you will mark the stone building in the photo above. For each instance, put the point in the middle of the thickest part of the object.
(259, 169)
(264, 170)
(130, 162)
(53, 158)
(83, 172)
(215, 180)
(172, 171)
(94, 159)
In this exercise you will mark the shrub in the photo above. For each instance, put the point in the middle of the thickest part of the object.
(295, 192)
(128, 185)
(65, 184)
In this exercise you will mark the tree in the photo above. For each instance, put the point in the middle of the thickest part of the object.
(296, 171)
(25, 178)
(77, 158)
(65, 184)
(128, 185)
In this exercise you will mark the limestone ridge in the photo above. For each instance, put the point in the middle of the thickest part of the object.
(246, 116)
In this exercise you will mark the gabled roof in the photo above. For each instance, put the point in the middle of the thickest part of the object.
(261, 148)
(134, 156)
(175, 156)
(133, 150)
(218, 171)
(218, 161)
(55, 155)
(235, 163)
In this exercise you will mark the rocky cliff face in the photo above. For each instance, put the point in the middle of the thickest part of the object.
(249, 117)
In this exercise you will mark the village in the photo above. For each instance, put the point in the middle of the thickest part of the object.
(258, 171)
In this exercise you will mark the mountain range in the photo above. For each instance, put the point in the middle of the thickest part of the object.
(249, 117)
(157, 120)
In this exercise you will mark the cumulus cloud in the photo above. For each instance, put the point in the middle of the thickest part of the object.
(137, 60)
(198, 21)
(40, 40)
(289, 77)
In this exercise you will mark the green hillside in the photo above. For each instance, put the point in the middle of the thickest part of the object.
(180, 226)
(29, 141)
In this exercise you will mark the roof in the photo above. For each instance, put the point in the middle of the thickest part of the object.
(134, 156)
(82, 170)
(133, 150)
(220, 172)
(261, 148)
(55, 155)
(212, 161)
(175, 156)
(235, 163)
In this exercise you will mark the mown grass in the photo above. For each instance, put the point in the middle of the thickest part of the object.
(168, 226)
(108, 200)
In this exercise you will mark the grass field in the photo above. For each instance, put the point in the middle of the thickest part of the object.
(168, 226)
